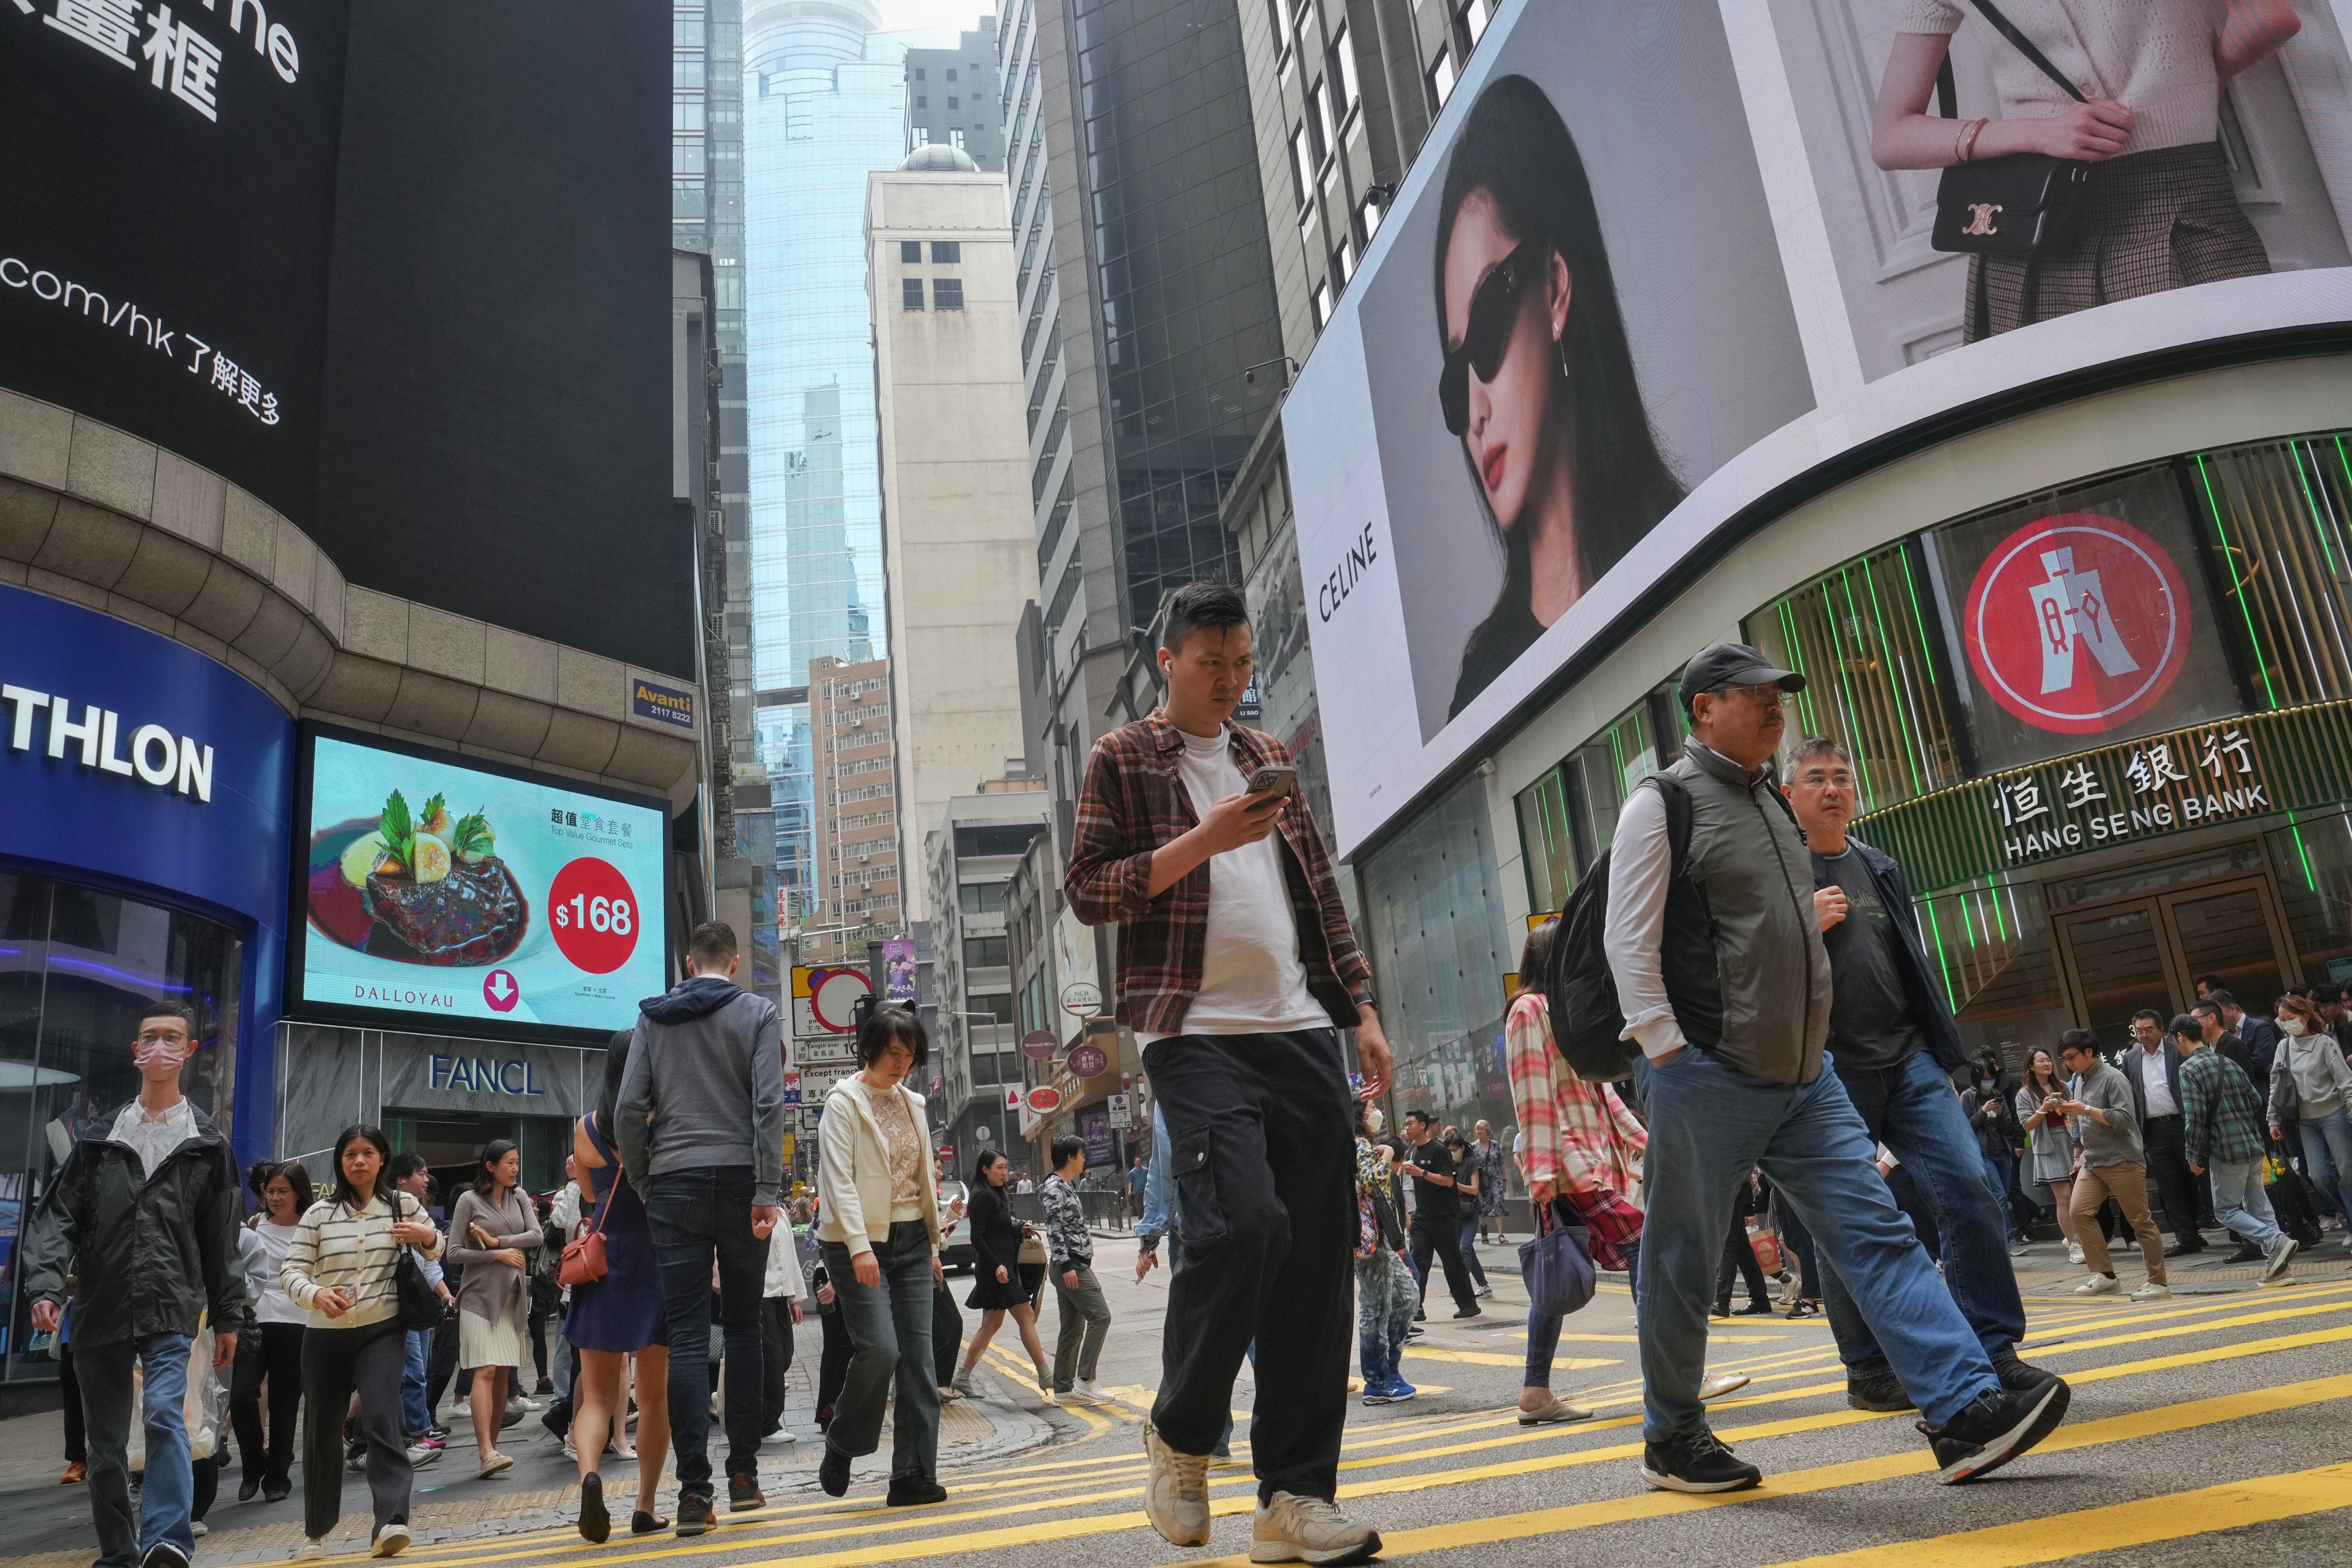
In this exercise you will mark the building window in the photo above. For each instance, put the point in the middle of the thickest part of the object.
(954, 101)
(1322, 304)
(1343, 69)
(984, 953)
(946, 252)
(1302, 163)
(1278, 13)
(952, 76)
(1343, 260)
(910, 292)
(911, 251)
(981, 899)
(1475, 17)
(922, 137)
(1440, 80)
(947, 294)
(1327, 137)
(997, 1004)
(686, 32)
(686, 113)
(921, 102)
(919, 73)
(1368, 213)
(955, 134)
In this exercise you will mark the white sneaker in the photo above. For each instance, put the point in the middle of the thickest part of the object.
(391, 1541)
(198, 1527)
(1715, 1385)
(2151, 1290)
(1294, 1529)
(311, 1549)
(1176, 1494)
(784, 1434)
(2074, 1253)
(421, 1455)
(1086, 1393)
(570, 1452)
(2098, 1285)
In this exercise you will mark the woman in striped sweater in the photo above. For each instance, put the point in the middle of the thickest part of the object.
(341, 1268)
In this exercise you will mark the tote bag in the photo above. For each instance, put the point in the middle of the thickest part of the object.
(1557, 1267)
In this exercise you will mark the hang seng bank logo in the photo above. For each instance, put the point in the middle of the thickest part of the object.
(2077, 623)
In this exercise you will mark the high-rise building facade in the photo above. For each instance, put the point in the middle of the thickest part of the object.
(951, 99)
(822, 106)
(854, 831)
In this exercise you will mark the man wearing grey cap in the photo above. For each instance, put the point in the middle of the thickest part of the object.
(1714, 946)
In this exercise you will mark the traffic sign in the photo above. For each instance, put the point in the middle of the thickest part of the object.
(1122, 1111)
(822, 998)
(984, 1132)
(840, 1051)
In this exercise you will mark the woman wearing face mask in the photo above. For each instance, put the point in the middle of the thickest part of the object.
(2310, 1083)
(1538, 382)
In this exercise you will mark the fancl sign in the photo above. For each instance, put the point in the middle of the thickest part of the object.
(485, 1075)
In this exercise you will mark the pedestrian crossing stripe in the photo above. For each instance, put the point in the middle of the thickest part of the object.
(734, 1535)
(2144, 1521)
(1491, 1358)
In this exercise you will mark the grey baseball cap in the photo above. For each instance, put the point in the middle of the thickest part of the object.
(1733, 664)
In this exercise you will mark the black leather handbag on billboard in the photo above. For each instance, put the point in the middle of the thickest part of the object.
(2019, 205)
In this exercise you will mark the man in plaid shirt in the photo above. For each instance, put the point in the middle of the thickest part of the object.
(1237, 971)
(2221, 1117)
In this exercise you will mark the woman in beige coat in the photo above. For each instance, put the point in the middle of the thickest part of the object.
(490, 1230)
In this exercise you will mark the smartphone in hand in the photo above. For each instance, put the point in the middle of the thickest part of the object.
(1275, 781)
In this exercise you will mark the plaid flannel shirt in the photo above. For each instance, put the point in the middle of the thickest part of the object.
(2221, 1113)
(1576, 1135)
(1133, 803)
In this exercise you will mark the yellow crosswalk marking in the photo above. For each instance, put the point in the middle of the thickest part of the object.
(2140, 1522)
(1492, 1358)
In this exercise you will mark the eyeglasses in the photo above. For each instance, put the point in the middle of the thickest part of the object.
(163, 1038)
(1769, 694)
(1487, 333)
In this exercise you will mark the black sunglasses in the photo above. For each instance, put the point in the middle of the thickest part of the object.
(1488, 332)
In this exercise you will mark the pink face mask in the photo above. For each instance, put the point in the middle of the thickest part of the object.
(158, 1053)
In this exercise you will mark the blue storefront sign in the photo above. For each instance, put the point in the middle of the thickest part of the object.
(133, 764)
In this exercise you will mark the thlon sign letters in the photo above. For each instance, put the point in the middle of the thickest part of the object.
(150, 753)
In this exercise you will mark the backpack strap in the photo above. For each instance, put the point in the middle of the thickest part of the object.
(1676, 796)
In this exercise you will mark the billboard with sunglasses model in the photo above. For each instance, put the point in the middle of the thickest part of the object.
(1660, 271)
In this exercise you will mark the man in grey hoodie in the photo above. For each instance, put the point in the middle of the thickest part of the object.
(701, 1135)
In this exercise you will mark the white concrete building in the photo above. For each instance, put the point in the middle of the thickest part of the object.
(958, 541)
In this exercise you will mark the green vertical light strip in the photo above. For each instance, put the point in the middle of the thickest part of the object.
(2238, 590)
(2311, 504)
(1935, 934)
(1854, 741)
(1918, 621)
(1796, 647)
(2000, 922)
(1967, 924)
(2302, 854)
(1915, 755)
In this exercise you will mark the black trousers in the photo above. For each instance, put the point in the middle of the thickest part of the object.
(1441, 1239)
(271, 1351)
(2166, 1139)
(70, 1388)
(1261, 1130)
(946, 1333)
(1739, 1259)
(1798, 1243)
(832, 1365)
(441, 1362)
(336, 1362)
(775, 1359)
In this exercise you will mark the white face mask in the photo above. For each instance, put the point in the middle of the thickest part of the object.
(2291, 1026)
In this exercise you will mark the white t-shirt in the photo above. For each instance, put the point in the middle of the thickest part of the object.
(2158, 1085)
(1251, 981)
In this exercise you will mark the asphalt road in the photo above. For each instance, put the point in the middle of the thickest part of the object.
(2208, 1428)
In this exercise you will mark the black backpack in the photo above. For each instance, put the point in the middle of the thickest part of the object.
(1586, 1019)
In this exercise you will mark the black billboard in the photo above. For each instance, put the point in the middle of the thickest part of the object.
(496, 405)
(166, 207)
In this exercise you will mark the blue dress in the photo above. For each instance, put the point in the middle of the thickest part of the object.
(623, 1311)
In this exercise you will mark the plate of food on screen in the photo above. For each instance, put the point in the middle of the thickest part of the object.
(417, 887)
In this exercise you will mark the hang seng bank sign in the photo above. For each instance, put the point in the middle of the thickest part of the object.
(2190, 779)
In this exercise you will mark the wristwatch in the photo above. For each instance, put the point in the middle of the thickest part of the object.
(1365, 998)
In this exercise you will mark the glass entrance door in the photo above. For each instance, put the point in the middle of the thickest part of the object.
(2148, 952)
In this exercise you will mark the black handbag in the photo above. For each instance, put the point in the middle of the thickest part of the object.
(419, 1303)
(2020, 204)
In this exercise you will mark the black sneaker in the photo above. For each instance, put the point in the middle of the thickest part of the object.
(914, 1491)
(1880, 1391)
(1757, 1308)
(694, 1514)
(1695, 1462)
(596, 1525)
(2018, 1376)
(163, 1554)
(833, 1471)
(743, 1494)
(2247, 1253)
(2185, 1248)
(1996, 1428)
(1469, 1312)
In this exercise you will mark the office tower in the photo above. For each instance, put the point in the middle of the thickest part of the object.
(955, 473)
(951, 98)
(856, 810)
(823, 105)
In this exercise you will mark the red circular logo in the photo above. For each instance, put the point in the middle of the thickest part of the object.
(594, 914)
(2077, 623)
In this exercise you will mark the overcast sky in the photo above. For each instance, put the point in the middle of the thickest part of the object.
(951, 15)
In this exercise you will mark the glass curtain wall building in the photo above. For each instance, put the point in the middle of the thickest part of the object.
(823, 105)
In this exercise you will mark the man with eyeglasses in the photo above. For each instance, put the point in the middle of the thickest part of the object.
(143, 1218)
(1715, 944)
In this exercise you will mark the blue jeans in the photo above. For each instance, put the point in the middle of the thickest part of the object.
(169, 1491)
(1911, 1109)
(2239, 1201)
(889, 1329)
(413, 1408)
(1709, 1122)
(1543, 1329)
(1467, 1242)
(2327, 1154)
(1385, 1297)
(696, 1215)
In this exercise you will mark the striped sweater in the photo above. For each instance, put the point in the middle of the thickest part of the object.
(333, 1246)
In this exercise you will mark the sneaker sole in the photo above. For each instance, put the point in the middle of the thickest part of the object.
(1877, 1406)
(704, 1528)
(1174, 1536)
(2270, 1274)
(1333, 1557)
(391, 1544)
(1667, 1483)
(2039, 1423)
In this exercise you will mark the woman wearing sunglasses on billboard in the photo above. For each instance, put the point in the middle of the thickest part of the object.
(2131, 88)
(1539, 382)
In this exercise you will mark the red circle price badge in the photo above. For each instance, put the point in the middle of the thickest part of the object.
(2077, 623)
(594, 914)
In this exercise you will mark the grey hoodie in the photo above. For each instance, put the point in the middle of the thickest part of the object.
(705, 1086)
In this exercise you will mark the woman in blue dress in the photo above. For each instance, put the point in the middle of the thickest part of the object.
(616, 1317)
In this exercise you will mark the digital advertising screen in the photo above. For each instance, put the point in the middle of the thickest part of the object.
(1587, 335)
(437, 893)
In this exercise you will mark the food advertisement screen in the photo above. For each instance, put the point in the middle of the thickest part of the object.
(452, 896)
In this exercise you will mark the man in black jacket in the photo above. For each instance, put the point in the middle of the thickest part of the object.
(1894, 1044)
(2153, 1069)
(140, 1220)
